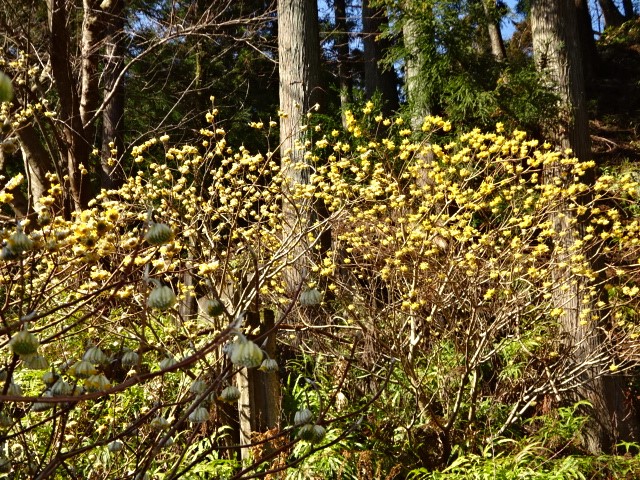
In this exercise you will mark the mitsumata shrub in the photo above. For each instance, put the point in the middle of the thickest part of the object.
(428, 323)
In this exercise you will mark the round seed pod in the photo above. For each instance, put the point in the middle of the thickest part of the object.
(312, 433)
(310, 297)
(7, 254)
(213, 307)
(161, 298)
(302, 416)
(246, 353)
(268, 365)
(97, 383)
(167, 362)
(24, 343)
(14, 389)
(159, 423)
(35, 362)
(95, 356)
(49, 378)
(230, 394)
(199, 415)
(198, 387)
(61, 388)
(158, 234)
(129, 359)
(6, 88)
(82, 369)
(115, 446)
(19, 242)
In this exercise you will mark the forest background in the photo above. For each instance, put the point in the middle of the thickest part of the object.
(345, 239)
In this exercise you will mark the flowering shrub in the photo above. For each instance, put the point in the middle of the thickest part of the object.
(444, 260)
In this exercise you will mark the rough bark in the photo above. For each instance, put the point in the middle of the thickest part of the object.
(612, 16)
(299, 71)
(558, 55)
(75, 147)
(493, 28)
(37, 162)
(341, 38)
(414, 62)
(91, 37)
(590, 58)
(113, 114)
(377, 78)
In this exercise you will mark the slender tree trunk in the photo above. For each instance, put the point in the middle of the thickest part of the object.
(76, 147)
(377, 79)
(558, 55)
(37, 163)
(493, 27)
(612, 16)
(627, 6)
(113, 114)
(342, 49)
(92, 32)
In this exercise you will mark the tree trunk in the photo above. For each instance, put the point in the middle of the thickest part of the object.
(558, 55)
(341, 39)
(376, 78)
(590, 58)
(113, 114)
(75, 147)
(493, 27)
(299, 71)
(612, 16)
(37, 163)
(414, 62)
(627, 6)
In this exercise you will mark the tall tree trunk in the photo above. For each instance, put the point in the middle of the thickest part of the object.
(558, 54)
(299, 70)
(376, 78)
(113, 114)
(414, 63)
(493, 27)
(75, 147)
(341, 38)
(612, 16)
(590, 57)
(627, 6)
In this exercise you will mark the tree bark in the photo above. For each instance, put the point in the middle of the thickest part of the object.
(558, 55)
(590, 57)
(113, 114)
(376, 78)
(37, 163)
(493, 28)
(75, 146)
(341, 39)
(299, 71)
(414, 62)
(612, 16)
(627, 6)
